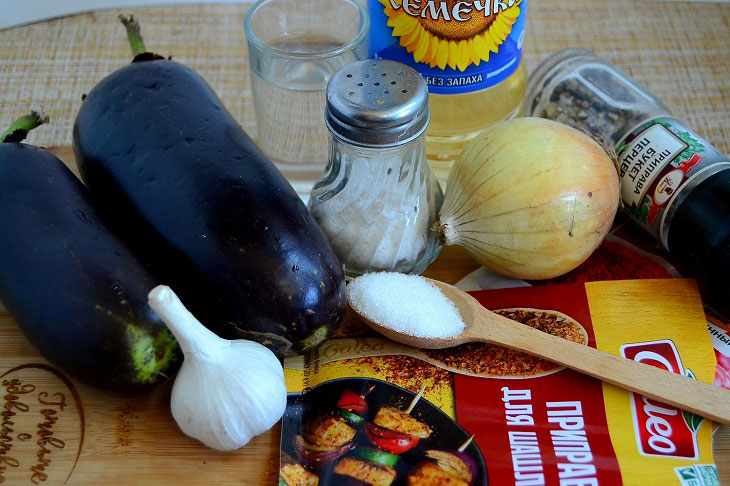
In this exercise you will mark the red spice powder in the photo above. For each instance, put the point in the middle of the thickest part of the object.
(491, 360)
(404, 371)
(612, 261)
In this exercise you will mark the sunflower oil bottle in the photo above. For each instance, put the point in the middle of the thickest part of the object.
(470, 54)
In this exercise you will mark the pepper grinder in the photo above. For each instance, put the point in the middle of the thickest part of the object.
(377, 199)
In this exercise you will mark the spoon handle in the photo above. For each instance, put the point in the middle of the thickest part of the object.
(670, 388)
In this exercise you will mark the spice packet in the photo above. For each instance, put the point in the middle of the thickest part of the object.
(626, 253)
(719, 327)
(354, 411)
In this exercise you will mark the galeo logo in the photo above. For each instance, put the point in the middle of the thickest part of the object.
(662, 430)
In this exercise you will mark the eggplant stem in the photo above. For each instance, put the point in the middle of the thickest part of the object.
(134, 34)
(19, 129)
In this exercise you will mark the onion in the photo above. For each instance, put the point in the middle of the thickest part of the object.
(530, 198)
(456, 463)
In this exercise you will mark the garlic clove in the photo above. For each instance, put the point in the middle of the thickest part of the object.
(226, 392)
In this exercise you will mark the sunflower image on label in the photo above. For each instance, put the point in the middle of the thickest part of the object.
(457, 46)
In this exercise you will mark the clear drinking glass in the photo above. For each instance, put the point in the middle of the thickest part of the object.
(294, 48)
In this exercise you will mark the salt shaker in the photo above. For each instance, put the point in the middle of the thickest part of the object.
(377, 200)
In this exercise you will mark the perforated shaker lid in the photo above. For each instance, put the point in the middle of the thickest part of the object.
(377, 103)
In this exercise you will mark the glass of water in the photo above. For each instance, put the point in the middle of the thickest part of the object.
(294, 47)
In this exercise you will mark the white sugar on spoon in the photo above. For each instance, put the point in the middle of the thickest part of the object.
(409, 310)
(407, 304)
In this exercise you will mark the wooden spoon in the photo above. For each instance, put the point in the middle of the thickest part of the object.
(483, 325)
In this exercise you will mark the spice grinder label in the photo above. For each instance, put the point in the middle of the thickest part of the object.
(656, 161)
(457, 46)
(643, 160)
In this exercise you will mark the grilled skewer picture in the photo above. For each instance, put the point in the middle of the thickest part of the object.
(364, 435)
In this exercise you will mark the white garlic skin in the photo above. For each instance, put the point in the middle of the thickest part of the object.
(225, 408)
(226, 392)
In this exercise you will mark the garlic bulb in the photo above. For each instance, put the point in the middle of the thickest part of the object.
(226, 391)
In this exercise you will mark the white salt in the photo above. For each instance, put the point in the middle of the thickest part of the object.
(407, 304)
(375, 218)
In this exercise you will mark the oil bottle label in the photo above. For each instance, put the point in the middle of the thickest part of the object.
(457, 46)
(659, 163)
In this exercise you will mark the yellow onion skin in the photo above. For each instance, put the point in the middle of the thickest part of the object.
(530, 198)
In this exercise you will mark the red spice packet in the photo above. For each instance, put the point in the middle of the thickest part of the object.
(625, 254)
(533, 422)
(719, 327)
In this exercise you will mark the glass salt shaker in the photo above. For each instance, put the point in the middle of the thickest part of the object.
(377, 200)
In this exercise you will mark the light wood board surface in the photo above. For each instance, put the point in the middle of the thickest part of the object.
(133, 440)
(679, 50)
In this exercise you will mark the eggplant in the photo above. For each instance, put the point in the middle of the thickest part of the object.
(175, 174)
(73, 288)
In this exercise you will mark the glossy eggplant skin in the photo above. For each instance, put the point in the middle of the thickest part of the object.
(75, 290)
(179, 179)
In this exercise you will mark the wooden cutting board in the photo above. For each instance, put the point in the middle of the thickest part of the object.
(55, 430)
(64, 432)
(58, 431)
(678, 50)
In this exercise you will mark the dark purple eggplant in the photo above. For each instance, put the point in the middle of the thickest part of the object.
(73, 288)
(175, 174)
